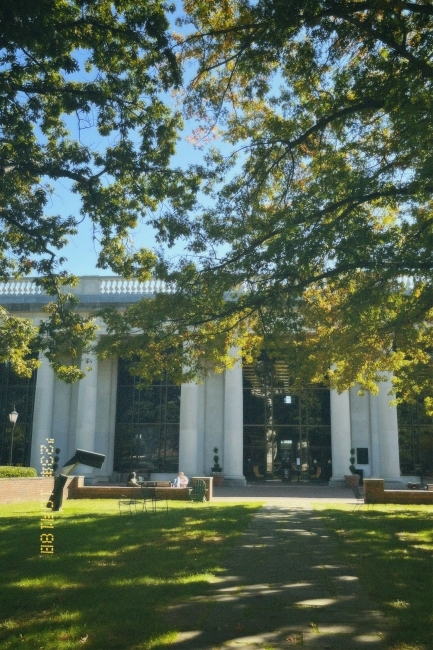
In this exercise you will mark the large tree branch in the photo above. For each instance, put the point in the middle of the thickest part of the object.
(367, 28)
(351, 202)
(319, 125)
(30, 232)
(417, 8)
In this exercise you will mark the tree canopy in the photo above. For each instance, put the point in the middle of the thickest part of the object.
(314, 238)
(81, 103)
(319, 232)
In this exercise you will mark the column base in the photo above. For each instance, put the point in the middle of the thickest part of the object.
(399, 482)
(337, 481)
(234, 481)
(390, 482)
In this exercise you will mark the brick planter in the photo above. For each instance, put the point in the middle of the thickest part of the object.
(19, 490)
(352, 480)
(34, 488)
(375, 493)
(77, 490)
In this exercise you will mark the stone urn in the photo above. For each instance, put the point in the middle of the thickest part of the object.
(352, 480)
(218, 479)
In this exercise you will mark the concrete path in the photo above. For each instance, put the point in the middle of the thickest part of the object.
(282, 586)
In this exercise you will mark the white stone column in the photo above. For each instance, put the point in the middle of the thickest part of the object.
(232, 460)
(374, 436)
(388, 433)
(201, 406)
(214, 419)
(340, 435)
(62, 419)
(43, 411)
(106, 416)
(360, 426)
(189, 429)
(86, 411)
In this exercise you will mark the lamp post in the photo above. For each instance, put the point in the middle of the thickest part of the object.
(13, 419)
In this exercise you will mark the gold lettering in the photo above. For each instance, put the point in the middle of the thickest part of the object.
(47, 549)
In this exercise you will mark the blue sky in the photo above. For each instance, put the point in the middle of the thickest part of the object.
(81, 252)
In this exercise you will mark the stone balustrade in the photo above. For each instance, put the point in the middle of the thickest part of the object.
(90, 285)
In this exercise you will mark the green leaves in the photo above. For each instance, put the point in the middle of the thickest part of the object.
(322, 204)
(106, 65)
(80, 103)
(16, 337)
(317, 210)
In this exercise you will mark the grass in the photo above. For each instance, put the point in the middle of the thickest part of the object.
(111, 577)
(391, 550)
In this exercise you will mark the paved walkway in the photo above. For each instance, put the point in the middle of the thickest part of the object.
(282, 586)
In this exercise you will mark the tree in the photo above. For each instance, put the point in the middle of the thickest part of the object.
(321, 229)
(72, 73)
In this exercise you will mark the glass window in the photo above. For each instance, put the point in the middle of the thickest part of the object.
(415, 432)
(254, 406)
(147, 425)
(269, 419)
(18, 392)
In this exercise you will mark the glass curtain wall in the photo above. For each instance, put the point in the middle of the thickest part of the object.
(18, 392)
(286, 435)
(415, 432)
(147, 425)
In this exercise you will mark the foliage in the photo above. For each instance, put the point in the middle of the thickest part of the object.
(16, 338)
(17, 472)
(390, 550)
(317, 222)
(352, 467)
(108, 569)
(81, 104)
(216, 469)
(56, 459)
(315, 237)
(155, 334)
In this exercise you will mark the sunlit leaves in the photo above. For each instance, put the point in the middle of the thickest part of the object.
(80, 104)
(323, 201)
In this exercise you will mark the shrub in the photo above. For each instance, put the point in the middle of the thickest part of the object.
(17, 472)
(352, 467)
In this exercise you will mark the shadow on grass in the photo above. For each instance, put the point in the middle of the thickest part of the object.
(391, 550)
(110, 577)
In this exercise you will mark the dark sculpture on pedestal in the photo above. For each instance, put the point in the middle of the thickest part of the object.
(80, 457)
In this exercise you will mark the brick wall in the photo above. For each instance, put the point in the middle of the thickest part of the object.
(374, 492)
(77, 490)
(19, 490)
(117, 492)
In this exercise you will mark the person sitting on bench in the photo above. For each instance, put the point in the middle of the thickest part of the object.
(181, 481)
(132, 480)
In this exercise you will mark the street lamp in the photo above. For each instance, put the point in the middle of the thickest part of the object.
(13, 419)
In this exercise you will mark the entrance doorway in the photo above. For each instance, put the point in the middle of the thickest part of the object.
(287, 435)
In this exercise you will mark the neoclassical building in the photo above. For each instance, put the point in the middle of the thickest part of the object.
(247, 413)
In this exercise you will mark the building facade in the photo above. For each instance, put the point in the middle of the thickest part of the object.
(248, 414)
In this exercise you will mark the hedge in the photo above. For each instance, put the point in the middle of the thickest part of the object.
(9, 471)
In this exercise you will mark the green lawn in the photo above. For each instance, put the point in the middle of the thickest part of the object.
(391, 550)
(111, 577)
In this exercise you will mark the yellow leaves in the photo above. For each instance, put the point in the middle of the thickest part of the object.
(428, 403)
